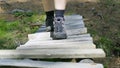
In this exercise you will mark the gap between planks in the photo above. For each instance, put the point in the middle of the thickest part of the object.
(45, 64)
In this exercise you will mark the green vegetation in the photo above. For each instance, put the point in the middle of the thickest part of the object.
(108, 28)
(103, 24)
(13, 33)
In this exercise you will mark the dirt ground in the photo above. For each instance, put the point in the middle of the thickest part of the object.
(111, 62)
(35, 5)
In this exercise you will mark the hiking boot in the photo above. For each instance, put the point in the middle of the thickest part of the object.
(59, 29)
(49, 25)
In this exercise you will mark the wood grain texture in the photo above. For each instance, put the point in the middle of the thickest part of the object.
(43, 35)
(59, 46)
(38, 43)
(53, 53)
(76, 31)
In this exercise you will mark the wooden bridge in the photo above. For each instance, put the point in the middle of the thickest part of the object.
(78, 45)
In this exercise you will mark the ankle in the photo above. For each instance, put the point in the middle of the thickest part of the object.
(49, 14)
(59, 13)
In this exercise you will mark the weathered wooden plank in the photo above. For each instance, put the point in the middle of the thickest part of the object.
(46, 35)
(68, 23)
(69, 39)
(41, 30)
(53, 53)
(79, 39)
(74, 22)
(68, 27)
(76, 26)
(58, 46)
(73, 17)
(38, 43)
(43, 64)
(52, 44)
(55, 47)
(39, 35)
(79, 36)
(71, 22)
(76, 31)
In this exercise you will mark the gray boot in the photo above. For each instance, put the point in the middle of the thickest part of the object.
(59, 29)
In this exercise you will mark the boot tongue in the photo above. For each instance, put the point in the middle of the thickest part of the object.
(58, 19)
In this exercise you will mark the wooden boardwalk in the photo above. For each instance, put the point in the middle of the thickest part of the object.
(78, 45)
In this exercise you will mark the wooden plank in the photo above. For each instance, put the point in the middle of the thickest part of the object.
(58, 46)
(41, 30)
(74, 21)
(83, 44)
(39, 35)
(71, 17)
(71, 22)
(76, 26)
(47, 35)
(69, 39)
(55, 47)
(76, 31)
(45, 64)
(79, 36)
(53, 53)
(44, 35)
(38, 43)
(69, 25)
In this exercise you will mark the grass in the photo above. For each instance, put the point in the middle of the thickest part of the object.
(13, 33)
(108, 27)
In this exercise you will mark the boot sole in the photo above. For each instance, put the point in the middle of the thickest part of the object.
(59, 35)
(51, 34)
